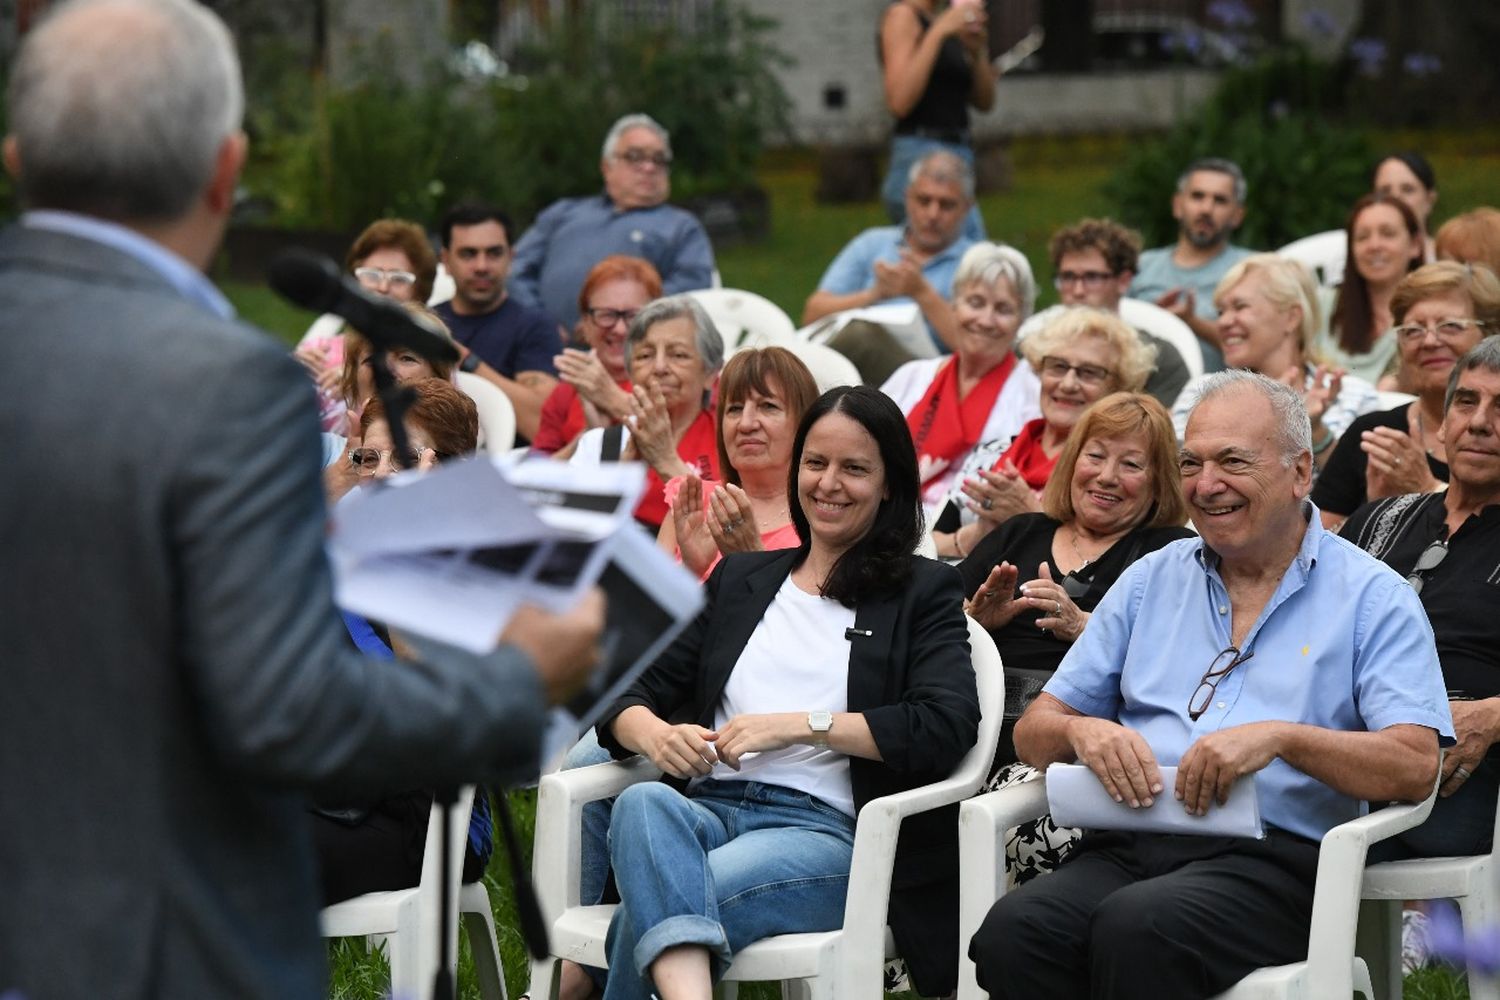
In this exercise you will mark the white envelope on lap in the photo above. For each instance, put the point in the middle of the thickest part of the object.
(1076, 798)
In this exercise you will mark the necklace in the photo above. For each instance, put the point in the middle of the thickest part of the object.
(1073, 543)
(1422, 430)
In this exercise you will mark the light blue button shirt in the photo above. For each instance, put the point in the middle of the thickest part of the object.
(853, 270)
(1342, 644)
(189, 282)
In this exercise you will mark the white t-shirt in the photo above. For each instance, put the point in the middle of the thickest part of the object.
(797, 660)
(1018, 402)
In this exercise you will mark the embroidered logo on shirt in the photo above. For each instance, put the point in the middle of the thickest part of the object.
(636, 236)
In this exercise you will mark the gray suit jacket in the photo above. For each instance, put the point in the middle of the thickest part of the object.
(174, 674)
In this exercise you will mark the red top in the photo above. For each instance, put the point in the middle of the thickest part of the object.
(562, 418)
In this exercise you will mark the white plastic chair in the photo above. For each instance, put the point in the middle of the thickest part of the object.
(1159, 323)
(406, 920)
(829, 368)
(1473, 881)
(443, 286)
(1331, 970)
(833, 965)
(744, 319)
(1323, 254)
(497, 417)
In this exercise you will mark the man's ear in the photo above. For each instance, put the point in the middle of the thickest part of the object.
(219, 195)
(10, 151)
(1237, 218)
(1123, 280)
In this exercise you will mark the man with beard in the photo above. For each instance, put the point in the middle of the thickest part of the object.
(503, 341)
(914, 262)
(1209, 206)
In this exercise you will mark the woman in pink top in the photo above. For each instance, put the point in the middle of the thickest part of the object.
(762, 396)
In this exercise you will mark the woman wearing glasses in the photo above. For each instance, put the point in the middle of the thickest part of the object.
(593, 384)
(1113, 497)
(1441, 311)
(393, 258)
(1081, 355)
(1268, 317)
(978, 393)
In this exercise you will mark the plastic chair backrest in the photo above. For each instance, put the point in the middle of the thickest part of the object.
(1155, 320)
(744, 319)
(1325, 254)
(497, 417)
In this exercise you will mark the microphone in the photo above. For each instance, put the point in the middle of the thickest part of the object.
(855, 633)
(315, 282)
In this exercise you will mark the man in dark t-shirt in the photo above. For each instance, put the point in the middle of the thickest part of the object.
(502, 341)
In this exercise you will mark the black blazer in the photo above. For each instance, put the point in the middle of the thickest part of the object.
(913, 680)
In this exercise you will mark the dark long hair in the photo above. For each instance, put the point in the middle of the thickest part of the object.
(880, 562)
(1353, 315)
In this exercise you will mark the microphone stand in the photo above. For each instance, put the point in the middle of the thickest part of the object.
(395, 398)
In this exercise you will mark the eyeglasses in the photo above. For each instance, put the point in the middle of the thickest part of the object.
(375, 277)
(1058, 368)
(640, 157)
(1445, 329)
(606, 318)
(1090, 279)
(1216, 672)
(367, 460)
(1429, 560)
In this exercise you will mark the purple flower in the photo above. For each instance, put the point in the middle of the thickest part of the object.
(1231, 13)
(1369, 53)
(1421, 64)
(1319, 22)
(1479, 950)
(1188, 42)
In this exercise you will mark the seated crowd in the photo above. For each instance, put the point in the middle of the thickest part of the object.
(1152, 551)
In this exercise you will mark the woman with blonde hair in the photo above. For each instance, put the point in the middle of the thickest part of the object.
(1082, 355)
(1268, 319)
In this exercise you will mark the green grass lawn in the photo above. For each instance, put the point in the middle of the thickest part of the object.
(1055, 182)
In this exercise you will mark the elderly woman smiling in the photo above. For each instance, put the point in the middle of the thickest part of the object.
(979, 392)
(673, 354)
(1081, 355)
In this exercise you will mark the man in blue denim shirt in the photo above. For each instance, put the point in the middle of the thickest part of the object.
(631, 217)
(1269, 648)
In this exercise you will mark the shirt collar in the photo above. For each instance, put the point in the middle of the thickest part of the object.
(1307, 553)
(184, 278)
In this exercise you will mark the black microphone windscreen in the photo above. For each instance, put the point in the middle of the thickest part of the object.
(307, 279)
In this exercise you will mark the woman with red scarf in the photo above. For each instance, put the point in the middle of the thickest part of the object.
(979, 393)
(673, 354)
(1082, 355)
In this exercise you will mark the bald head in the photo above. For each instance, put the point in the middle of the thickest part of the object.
(120, 108)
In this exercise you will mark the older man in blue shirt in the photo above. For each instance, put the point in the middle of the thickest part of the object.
(1270, 648)
(632, 217)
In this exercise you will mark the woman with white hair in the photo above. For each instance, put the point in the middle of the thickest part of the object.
(979, 392)
(1268, 318)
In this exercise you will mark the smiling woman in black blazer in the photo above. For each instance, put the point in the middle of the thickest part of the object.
(817, 679)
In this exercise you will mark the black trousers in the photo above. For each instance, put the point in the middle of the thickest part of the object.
(1152, 917)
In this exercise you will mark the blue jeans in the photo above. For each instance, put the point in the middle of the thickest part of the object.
(908, 149)
(724, 866)
(594, 868)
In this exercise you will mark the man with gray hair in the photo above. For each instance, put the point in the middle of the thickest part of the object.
(177, 677)
(632, 217)
(1267, 649)
(1209, 205)
(913, 262)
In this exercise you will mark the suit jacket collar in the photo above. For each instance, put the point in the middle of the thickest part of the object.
(78, 258)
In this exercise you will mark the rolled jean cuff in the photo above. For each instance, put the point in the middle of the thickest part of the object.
(679, 930)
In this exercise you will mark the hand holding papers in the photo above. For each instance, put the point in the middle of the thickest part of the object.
(1076, 798)
(452, 554)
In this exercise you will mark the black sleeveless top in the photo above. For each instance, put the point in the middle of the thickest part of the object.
(942, 112)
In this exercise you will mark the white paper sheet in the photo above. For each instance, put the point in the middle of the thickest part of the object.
(1076, 798)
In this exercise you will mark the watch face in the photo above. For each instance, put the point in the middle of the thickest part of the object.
(820, 722)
